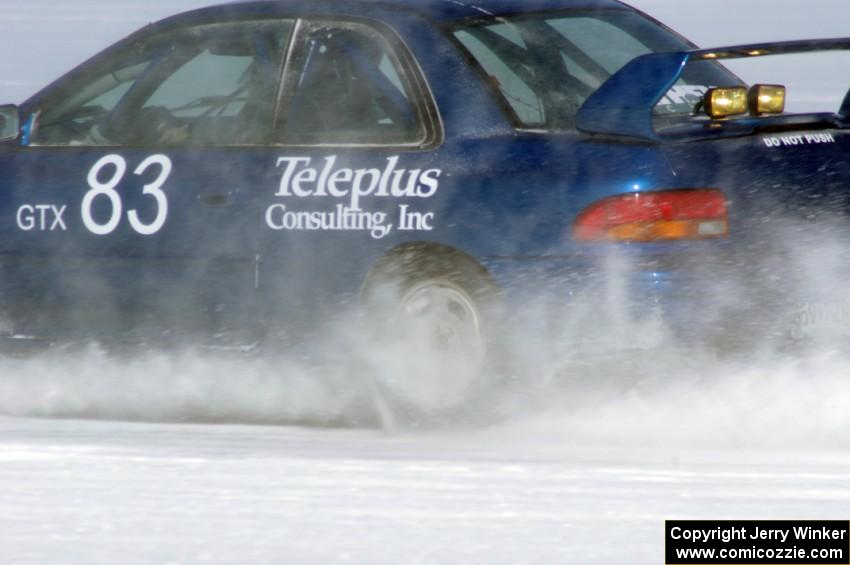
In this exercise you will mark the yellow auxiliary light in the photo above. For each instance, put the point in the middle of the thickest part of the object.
(767, 99)
(725, 102)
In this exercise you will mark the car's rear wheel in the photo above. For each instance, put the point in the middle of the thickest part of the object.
(436, 312)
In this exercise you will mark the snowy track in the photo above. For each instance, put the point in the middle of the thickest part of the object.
(106, 492)
(586, 480)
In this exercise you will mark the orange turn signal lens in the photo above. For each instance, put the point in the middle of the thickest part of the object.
(669, 230)
(725, 102)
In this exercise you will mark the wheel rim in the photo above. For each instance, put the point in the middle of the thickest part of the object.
(439, 353)
(441, 317)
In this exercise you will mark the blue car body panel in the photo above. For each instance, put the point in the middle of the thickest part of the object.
(506, 196)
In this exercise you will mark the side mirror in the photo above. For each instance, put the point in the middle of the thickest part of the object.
(10, 123)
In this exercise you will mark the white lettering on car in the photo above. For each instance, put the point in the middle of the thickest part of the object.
(355, 187)
(341, 218)
(153, 189)
(98, 188)
(798, 140)
(41, 217)
(106, 189)
(414, 221)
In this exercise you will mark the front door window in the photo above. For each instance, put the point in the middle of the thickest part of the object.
(205, 85)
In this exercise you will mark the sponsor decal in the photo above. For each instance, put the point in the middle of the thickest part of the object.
(348, 193)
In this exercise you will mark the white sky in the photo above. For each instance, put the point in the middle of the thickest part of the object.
(41, 39)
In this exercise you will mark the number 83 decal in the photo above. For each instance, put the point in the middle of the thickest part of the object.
(105, 188)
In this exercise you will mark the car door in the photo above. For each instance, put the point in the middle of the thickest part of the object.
(124, 206)
(357, 170)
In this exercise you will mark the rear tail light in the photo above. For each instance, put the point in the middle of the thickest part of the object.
(655, 216)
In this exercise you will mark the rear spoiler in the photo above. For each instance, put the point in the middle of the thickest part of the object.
(624, 104)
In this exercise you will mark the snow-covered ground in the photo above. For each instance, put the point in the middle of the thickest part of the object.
(105, 492)
(551, 473)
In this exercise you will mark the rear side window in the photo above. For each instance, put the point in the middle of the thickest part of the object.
(545, 66)
(349, 84)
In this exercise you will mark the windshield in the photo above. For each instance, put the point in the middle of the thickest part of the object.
(545, 66)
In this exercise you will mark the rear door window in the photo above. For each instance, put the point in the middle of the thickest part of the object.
(350, 83)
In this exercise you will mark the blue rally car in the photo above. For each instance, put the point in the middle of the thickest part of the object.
(255, 169)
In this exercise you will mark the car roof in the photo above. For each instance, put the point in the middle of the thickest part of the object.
(439, 10)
